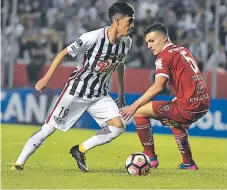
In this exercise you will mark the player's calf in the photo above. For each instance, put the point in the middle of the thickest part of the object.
(32, 145)
(182, 140)
(145, 133)
(103, 136)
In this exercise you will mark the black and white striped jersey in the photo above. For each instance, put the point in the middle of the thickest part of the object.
(98, 60)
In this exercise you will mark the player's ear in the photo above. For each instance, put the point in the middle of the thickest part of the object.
(117, 20)
(165, 38)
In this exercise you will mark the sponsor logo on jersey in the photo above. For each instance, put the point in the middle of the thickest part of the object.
(199, 98)
(200, 88)
(102, 66)
(59, 120)
(197, 77)
(158, 64)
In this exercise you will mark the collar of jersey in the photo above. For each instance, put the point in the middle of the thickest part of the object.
(105, 30)
(167, 45)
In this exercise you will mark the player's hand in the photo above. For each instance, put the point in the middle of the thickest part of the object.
(128, 111)
(120, 101)
(41, 84)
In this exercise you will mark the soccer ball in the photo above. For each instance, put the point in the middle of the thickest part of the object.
(138, 164)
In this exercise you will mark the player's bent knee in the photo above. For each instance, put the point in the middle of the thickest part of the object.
(47, 130)
(111, 132)
(117, 122)
(116, 132)
(146, 111)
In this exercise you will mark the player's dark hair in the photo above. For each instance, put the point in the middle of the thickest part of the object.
(120, 8)
(159, 27)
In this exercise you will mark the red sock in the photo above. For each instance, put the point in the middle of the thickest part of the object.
(181, 137)
(144, 131)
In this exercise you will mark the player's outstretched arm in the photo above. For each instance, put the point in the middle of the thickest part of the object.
(153, 91)
(42, 83)
(159, 85)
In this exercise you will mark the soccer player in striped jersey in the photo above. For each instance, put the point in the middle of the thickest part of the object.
(101, 53)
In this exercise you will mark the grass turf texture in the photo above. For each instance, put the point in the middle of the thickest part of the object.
(53, 167)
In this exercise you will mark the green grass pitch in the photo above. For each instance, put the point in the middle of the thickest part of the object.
(52, 167)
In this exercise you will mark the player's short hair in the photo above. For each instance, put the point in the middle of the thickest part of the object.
(159, 27)
(121, 8)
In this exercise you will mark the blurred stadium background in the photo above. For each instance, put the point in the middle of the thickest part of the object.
(33, 31)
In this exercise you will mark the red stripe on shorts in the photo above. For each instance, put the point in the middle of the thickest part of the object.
(63, 92)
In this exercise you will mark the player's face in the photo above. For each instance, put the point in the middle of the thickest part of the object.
(125, 25)
(155, 41)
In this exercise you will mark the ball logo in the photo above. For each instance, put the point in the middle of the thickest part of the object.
(140, 160)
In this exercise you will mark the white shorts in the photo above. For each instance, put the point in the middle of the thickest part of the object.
(68, 109)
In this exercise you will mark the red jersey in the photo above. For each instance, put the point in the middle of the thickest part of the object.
(185, 79)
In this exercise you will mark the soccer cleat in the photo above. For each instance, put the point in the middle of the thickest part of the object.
(154, 162)
(191, 166)
(18, 167)
(80, 158)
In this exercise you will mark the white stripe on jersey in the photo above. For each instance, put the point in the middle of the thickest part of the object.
(99, 66)
(94, 77)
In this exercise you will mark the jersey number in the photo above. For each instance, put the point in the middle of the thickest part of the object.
(65, 112)
(193, 64)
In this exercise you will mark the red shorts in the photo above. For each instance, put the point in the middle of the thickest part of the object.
(170, 114)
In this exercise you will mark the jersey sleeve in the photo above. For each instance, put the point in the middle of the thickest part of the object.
(162, 69)
(128, 45)
(82, 44)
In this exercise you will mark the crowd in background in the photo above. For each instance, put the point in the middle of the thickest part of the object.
(41, 28)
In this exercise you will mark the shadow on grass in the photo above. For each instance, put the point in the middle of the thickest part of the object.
(75, 169)
(107, 170)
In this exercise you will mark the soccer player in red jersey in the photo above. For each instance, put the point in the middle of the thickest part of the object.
(175, 66)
